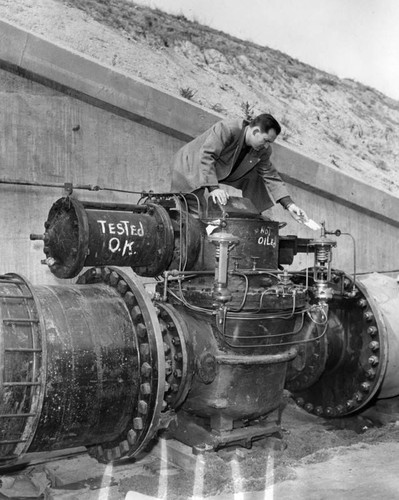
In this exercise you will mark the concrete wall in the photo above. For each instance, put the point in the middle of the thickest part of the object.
(66, 118)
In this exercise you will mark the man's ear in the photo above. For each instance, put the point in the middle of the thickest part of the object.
(255, 130)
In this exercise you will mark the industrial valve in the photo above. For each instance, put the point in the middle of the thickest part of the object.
(201, 352)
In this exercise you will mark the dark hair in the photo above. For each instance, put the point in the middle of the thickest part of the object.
(266, 122)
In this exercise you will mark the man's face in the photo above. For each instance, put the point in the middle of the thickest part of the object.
(258, 139)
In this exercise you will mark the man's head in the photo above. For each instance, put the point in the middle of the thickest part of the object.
(262, 131)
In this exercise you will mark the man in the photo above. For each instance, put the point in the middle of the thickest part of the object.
(236, 153)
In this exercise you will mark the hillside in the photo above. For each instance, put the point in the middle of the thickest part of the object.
(339, 122)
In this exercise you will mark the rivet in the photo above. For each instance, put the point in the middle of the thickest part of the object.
(131, 436)
(166, 347)
(368, 316)
(374, 345)
(329, 411)
(373, 360)
(349, 404)
(309, 407)
(178, 356)
(365, 386)
(138, 423)
(106, 273)
(114, 278)
(372, 331)
(124, 447)
(168, 367)
(146, 369)
(145, 388)
(339, 409)
(300, 401)
(136, 314)
(319, 410)
(177, 373)
(122, 287)
(358, 396)
(141, 330)
(130, 299)
(175, 387)
(362, 302)
(142, 407)
(95, 272)
(370, 373)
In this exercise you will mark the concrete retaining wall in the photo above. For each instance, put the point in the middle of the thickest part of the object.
(67, 118)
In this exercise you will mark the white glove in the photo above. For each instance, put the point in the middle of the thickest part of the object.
(297, 213)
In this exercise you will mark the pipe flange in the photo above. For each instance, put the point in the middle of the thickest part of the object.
(150, 387)
(179, 367)
(357, 353)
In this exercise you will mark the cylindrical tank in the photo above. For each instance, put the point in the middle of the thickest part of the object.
(91, 234)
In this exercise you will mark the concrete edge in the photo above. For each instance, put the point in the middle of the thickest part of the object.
(72, 73)
(320, 179)
(84, 78)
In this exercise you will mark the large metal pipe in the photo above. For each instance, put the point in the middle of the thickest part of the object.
(81, 365)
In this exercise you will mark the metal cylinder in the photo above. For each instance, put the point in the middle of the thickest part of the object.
(74, 361)
(82, 234)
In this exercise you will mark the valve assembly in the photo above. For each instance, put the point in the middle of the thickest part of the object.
(195, 338)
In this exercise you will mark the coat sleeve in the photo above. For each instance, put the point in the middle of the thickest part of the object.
(271, 178)
(221, 135)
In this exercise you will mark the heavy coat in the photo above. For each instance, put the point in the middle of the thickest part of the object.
(208, 160)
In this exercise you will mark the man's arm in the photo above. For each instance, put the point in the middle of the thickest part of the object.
(278, 189)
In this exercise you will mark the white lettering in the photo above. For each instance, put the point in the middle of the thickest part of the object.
(267, 241)
(114, 245)
(119, 228)
(127, 248)
(102, 222)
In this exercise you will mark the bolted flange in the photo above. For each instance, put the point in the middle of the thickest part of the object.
(147, 415)
(357, 353)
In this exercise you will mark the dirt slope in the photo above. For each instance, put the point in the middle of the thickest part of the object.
(341, 123)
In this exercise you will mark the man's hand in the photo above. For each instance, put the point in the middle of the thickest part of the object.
(219, 195)
(297, 213)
